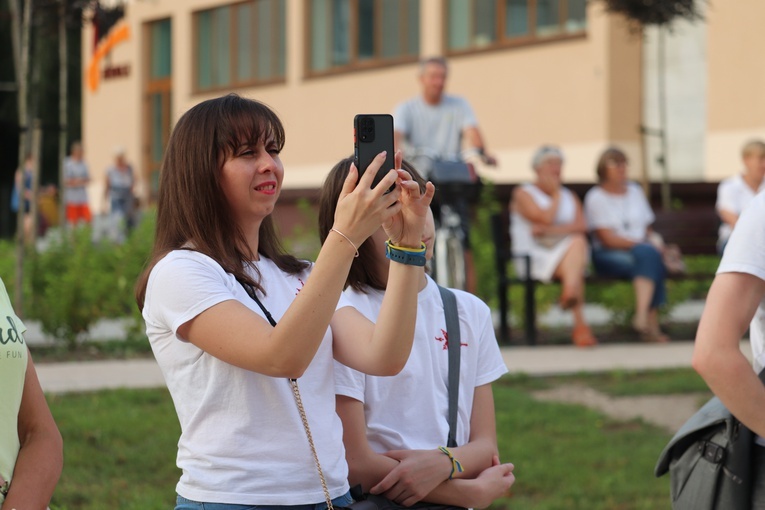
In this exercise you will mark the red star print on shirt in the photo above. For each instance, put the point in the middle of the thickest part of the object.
(298, 289)
(445, 340)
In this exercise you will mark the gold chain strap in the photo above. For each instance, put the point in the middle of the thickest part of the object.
(299, 402)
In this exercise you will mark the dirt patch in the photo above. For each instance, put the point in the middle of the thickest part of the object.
(666, 411)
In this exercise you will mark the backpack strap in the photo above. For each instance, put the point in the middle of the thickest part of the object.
(453, 341)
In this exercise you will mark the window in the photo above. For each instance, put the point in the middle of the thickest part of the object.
(348, 34)
(240, 44)
(157, 98)
(477, 24)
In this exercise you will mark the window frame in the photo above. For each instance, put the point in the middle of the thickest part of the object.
(504, 42)
(152, 86)
(234, 81)
(354, 65)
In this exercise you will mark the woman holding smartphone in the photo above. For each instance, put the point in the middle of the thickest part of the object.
(218, 266)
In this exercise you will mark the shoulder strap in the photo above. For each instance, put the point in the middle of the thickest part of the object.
(453, 340)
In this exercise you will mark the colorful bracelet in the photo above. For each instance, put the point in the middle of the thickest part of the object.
(456, 466)
(403, 255)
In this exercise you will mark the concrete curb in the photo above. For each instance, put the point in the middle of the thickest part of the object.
(536, 361)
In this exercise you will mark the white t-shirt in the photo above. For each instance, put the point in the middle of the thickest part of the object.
(733, 195)
(521, 228)
(629, 215)
(75, 169)
(242, 440)
(13, 369)
(745, 253)
(435, 130)
(410, 410)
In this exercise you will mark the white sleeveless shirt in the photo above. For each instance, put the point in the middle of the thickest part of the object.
(520, 227)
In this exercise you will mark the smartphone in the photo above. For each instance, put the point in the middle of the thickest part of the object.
(372, 134)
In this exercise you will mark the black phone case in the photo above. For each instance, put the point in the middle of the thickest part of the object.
(365, 150)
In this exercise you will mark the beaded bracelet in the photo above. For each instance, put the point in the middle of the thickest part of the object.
(403, 255)
(456, 466)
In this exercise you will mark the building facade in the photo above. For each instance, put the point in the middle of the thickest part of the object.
(535, 71)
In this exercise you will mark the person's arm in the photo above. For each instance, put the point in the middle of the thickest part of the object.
(611, 240)
(365, 467)
(525, 205)
(419, 472)
(578, 226)
(728, 217)
(287, 349)
(730, 305)
(475, 141)
(383, 347)
(431, 469)
(40, 460)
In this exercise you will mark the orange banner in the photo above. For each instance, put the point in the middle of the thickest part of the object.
(116, 35)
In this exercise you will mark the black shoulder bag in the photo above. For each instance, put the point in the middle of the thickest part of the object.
(710, 461)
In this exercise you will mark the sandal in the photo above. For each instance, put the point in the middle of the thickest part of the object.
(582, 336)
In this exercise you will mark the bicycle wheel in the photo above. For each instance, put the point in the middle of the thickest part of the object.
(455, 257)
(449, 258)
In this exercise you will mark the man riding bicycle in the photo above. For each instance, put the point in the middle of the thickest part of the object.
(430, 128)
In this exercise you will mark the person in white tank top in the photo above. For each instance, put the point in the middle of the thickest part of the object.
(547, 225)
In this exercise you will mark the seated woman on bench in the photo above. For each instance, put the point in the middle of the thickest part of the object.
(547, 224)
(620, 219)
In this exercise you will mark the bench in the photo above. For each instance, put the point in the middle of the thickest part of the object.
(693, 229)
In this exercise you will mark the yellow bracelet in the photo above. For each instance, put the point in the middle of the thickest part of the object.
(421, 249)
(456, 466)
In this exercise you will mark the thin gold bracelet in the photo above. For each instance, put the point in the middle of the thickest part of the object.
(333, 229)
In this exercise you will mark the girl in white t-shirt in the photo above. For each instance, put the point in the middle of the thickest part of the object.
(736, 300)
(216, 259)
(393, 426)
(620, 218)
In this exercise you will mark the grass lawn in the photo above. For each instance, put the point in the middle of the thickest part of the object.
(120, 447)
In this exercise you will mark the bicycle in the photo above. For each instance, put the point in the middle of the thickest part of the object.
(448, 266)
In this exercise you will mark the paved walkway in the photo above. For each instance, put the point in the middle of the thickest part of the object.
(544, 360)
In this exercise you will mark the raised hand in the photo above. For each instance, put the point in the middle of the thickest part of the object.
(405, 228)
(361, 209)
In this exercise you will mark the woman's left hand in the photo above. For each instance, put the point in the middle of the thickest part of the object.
(405, 228)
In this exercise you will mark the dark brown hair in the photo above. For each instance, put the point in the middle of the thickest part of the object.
(361, 276)
(610, 155)
(191, 207)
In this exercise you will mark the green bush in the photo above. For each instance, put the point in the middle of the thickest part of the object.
(74, 282)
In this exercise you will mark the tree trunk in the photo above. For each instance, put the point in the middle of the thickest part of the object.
(20, 41)
(63, 76)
